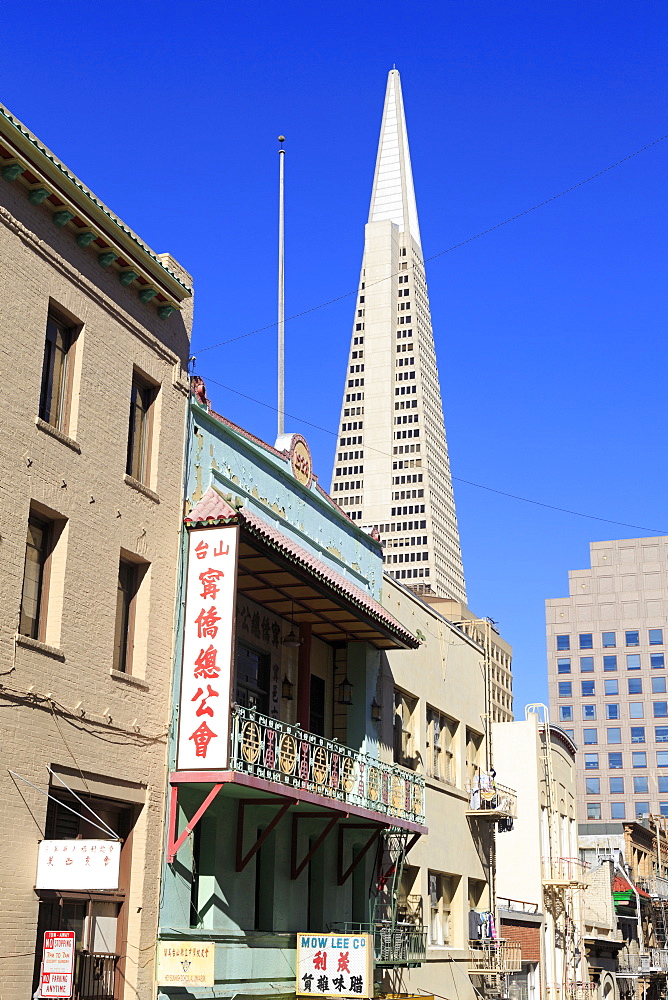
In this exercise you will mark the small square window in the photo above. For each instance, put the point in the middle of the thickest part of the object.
(617, 810)
(616, 786)
(633, 661)
(589, 736)
(564, 665)
(636, 710)
(608, 640)
(658, 685)
(593, 810)
(588, 712)
(586, 664)
(642, 808)
(660, 708)
(639, 758)
(612, 711)
(610, 662)
(614, 761)
(661, 734)
(563, 642)
(663, 807)
(640, 785)
(570, 733)
(633, 638)
(657, 660)
(611, 685)
(614, 734)
(588, 688)
(662, 758)
(593, 786)
(635, 685)
(565, 713)
(591, 761)
(656, 637)
(566, 688)
(637, 734)
(586, 640)
(662, 780)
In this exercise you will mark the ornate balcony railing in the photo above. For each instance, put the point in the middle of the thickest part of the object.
(572, 991)
(395, 944)
(655, 886)
(495, 957)
(564, 871)
(277, 751)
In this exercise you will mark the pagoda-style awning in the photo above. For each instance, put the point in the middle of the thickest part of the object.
(277, 573)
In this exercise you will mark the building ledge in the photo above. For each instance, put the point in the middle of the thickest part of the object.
(136, 485)
(519, 916)
(39, 647)
(52, 431)
(119, 675)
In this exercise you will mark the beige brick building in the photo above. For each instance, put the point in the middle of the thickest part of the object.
(94, 352)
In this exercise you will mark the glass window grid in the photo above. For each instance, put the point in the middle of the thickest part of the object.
(586, 664)
(565, 689)
(586, 640)
(655, 636)
(632, 637)
(563, 642)
(608, 640)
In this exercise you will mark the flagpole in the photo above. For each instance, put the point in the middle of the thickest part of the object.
(281, 287)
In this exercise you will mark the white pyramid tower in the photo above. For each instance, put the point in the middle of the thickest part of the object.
(391, 466)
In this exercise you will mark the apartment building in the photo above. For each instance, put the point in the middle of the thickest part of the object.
(326, 796)
(95, 341)
(607, 677)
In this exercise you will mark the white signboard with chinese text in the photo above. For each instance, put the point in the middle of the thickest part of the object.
(185, 963)
(78, 864)
(206, 674)
(57, 964)
(334, 965)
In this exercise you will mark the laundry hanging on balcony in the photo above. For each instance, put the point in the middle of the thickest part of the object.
(483, 790)
(481, 925)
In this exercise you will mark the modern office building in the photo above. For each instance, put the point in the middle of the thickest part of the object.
(607, 677)
(391, 466)
(96, 330)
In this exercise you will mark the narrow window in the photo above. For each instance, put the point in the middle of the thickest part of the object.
(33, 598)
(126, 592)
(139, 432)
(53, 400)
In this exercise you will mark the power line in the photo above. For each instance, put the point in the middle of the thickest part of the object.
(458, 479)
(441, 253)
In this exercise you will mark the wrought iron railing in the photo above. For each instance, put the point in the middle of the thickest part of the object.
(581, 991)
(564, 871)
(95, 976)
(494, 957)
(394, 944)
(492, 799)
(655, 886)
(280, 752)
(658, 959)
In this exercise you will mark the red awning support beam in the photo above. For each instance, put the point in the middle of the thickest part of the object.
(174, 842)
(297, 869)
(283, 806)
(344, 876)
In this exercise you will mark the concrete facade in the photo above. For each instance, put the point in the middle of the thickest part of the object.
(391, 467)
(607, 682)
(102, 730)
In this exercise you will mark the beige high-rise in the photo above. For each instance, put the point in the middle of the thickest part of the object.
(94, 350)
(391, 467)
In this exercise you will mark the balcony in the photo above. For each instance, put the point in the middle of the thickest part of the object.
(289, 756)
(656, 887)
(395, 945)
(658, 960)
(495, 958)
(564, 872)
(490, 800)
(572, 991)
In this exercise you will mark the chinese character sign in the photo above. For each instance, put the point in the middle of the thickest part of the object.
(185, 963)
(204, 707)
(78, 864)
(57, 964)
(335, 965)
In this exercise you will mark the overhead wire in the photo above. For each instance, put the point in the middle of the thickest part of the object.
(441, 253)
(458, 479)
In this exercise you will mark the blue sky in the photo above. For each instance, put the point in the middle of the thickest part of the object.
(550, 332)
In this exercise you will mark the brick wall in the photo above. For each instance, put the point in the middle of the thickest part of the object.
(528, 936)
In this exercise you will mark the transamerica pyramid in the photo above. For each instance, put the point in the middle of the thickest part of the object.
(391, 469)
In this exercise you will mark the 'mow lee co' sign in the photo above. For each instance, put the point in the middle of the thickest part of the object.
(206, 674)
